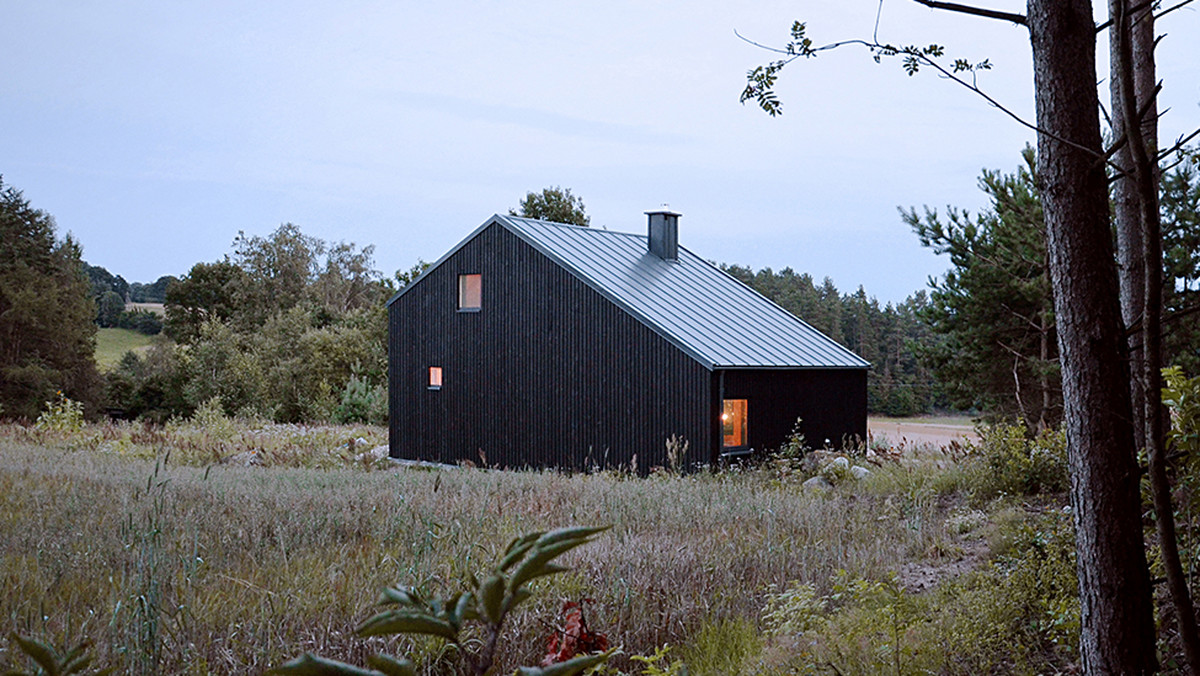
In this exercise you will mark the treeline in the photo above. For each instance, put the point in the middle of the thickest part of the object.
(111, 294)
(889, 336)
(287, 327)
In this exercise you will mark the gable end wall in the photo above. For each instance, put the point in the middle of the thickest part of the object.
(548, 373)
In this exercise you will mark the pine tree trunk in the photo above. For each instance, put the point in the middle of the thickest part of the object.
(1114, 585)
(1126, 210)
(1132, 84)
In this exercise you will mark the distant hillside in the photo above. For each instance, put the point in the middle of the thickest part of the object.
(112, 344)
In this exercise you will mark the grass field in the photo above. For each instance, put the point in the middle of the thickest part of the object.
(221, 547)
(112, 344)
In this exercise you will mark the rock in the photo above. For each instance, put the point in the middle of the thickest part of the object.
(859, 471)
(245, 459)
(841, 463)
(374, 455)
(818, 483)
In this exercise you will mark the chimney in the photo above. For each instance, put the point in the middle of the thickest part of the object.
(664, 234)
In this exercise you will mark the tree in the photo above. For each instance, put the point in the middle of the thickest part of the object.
(994, 307)
(1117, 626)
(47, 334)
(151, 293)
(111, 307)
(278, 269)
(209, 291)
(104, 281)
(1180, 202)
(553, 204)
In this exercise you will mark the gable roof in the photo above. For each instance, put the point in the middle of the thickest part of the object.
(718, 320)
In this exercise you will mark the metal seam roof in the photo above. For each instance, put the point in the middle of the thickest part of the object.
(718, 320)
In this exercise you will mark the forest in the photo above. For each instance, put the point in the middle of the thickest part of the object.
(245, 330)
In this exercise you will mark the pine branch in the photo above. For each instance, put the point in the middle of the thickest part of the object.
(1018, 19)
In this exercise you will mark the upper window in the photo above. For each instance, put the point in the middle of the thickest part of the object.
(435, 377)
(470, 292)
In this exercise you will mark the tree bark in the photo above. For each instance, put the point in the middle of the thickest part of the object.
(1114, 584)
(1126, 205)
(1133, 82)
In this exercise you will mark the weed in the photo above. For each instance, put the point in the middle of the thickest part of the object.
(63, 416)
(488, 603)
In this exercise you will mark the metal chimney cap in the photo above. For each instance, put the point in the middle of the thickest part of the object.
(665, 211)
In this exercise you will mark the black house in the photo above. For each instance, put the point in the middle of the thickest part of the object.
(536, 344)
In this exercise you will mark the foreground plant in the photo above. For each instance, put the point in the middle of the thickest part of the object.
(488, 603)
(49, 662)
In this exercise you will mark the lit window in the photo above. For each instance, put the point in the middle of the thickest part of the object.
(733, 423)
(470, 292)
(435, 377)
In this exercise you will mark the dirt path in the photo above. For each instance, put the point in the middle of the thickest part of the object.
(907, 433)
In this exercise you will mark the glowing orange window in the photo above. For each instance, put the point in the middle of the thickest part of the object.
(733, 423)
(435, 377)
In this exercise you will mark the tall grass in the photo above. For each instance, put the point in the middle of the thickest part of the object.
(223, 568)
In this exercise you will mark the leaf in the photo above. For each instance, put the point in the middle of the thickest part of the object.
(39, 652)
(491, 597)
(575, 665)
(405, 596)
(516, 549)
(406, 622)
(536, 564)
(392, 666)
(577, 533)
(311, 665)
(461, 610)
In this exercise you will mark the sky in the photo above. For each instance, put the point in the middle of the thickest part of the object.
(155, 132)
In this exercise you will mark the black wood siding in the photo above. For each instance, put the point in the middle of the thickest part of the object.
(832, 404)
(548, 373)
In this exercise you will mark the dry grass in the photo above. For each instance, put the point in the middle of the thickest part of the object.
(190, 566)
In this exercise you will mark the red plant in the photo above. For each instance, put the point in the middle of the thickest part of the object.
(575, 637)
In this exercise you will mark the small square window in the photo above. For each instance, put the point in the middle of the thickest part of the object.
(470, 292)
(435, 377)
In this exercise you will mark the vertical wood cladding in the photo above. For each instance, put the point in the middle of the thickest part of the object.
(832, 404)
(547, 373)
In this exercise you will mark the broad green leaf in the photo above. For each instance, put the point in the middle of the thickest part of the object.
(75, 664)
(535, 565)
(311, 665)
(405, 596)
(39, 652)
(573, 666)
(578, 533)
(461, 609)
(516, 549)
(392, 666)
(491, 598)
(406, 622)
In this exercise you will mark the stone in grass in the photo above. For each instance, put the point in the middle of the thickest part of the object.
(859, 471)
(818, 483)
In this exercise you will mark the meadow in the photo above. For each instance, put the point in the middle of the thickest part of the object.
(113, 343)
(220, 546)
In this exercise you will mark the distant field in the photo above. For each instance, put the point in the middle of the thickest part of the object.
(957, 420)
(112, 344)
(157, 308)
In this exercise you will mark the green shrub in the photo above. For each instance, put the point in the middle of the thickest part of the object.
(1016, 465)
(1019, 615)
(362, 403)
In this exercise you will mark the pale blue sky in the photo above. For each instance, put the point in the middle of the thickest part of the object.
(156, 131)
